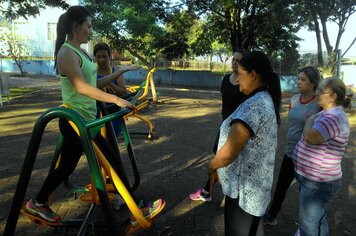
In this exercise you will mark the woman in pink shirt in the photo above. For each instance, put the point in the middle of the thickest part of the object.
(318, 157)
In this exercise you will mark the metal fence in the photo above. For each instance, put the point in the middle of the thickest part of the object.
(201, 65)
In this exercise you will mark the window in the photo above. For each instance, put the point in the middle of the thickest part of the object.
(20, 27)
(51, 31)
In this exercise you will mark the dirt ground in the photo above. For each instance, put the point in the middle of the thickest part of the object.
(172, 166)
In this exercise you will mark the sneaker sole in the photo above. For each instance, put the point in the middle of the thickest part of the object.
(37, 219)
(200, 199)
(151, 217)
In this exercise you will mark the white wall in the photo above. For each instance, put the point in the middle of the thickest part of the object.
(349, 73)
(35, 30)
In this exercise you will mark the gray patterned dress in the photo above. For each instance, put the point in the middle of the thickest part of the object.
(250, 176)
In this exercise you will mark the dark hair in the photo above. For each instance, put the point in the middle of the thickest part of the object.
(337, 86)
(241, 51)
(65, 23)
(313, 75)
(258, 61)
(102, 46)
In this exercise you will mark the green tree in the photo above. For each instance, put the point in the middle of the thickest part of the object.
(201, 39)
(316, 16)
(308, 59)
(13, 46)
(131, 25)
(13, 9)
(270, 26)
(178, 32)
(204, 41)
(222, 51)
(249, 24)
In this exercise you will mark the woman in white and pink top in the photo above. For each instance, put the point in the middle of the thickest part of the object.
(318, 157)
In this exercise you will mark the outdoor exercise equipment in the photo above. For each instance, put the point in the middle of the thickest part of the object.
(87, 193)
(96, 160)
(142, 101)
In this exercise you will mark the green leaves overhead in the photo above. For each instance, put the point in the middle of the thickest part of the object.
(25, 8)
(131, 25)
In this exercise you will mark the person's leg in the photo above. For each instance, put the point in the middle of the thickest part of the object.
(285, 178)
(314, 200)
(113, 158)
(240, 223)
(207, 186)
(70, 155)
(216, 143)
(148, 209)
(202, 194)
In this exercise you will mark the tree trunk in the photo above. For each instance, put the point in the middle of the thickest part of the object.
(19, 64)
(135, 54)
(152, 84)
(318, 39)
(329, 48)
(335, 57)
(123, 45)
(332, 56)
(233, 31)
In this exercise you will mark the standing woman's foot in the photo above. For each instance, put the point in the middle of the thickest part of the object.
(200, 195)
(269, 220)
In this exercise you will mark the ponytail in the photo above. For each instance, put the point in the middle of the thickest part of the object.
(259, 62)
(273, 86)
(61, 37)
(64, 26)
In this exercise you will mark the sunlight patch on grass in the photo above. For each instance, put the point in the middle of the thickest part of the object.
(16, 92)
(16, 123)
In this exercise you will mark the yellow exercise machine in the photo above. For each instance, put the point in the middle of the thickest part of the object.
(96, 161)
(142, 101)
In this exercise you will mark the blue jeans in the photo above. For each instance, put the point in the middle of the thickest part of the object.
(314, 200)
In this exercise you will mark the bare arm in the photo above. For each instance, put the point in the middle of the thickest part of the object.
(119, 90)
(68, 65)
(106, 80)
(238, 137)
(312, 136)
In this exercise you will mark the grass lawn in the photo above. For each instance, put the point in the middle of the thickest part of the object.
(17, 91)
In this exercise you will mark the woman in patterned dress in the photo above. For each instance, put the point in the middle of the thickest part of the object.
(247, 146)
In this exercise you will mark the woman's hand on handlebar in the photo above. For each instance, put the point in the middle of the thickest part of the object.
(124, 103)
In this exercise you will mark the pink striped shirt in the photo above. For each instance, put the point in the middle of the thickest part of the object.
(322, 162)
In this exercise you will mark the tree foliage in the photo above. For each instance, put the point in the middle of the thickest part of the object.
(13, 9)
(249, 24)
(178, 34)
(13, 46)
(269, 26)
(315, 18)
(130, 25)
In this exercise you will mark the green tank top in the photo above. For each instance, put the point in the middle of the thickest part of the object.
(84, 105)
